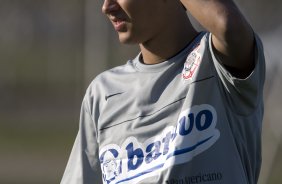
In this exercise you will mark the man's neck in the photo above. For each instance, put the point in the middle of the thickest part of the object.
(168, 43)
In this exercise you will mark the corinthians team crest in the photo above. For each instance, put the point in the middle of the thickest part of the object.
(192, 63)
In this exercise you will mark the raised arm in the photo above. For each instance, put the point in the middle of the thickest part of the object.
(232, 36)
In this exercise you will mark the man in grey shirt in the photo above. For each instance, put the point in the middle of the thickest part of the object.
(187, 109)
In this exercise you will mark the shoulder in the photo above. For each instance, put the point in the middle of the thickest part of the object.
(246, 91)
(110, 79)
(113, 73)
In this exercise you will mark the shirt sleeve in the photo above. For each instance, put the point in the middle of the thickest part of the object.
(83, 166)
(242, 95)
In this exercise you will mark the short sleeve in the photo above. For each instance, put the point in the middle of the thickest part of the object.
(83, 166)
(243, 95)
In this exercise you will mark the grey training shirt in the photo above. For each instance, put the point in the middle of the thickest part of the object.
(185, 120)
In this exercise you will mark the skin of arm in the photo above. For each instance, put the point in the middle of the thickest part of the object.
(232, 36)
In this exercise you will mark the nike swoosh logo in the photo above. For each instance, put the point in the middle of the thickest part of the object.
(112, 95)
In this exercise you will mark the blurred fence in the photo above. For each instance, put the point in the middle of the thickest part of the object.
(49, 52)
(41, 74)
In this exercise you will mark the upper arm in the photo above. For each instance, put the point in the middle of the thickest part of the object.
(233, 43)
(83, 165)
(232, 36)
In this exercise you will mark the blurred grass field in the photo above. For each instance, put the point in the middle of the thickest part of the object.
(35, 155)
(276, 171)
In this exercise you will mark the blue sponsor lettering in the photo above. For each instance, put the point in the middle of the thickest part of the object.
(183, 122)
(131, 154)
(204, 117)
(166, 141)
(201, 121)
(154, 151)
(195, 132)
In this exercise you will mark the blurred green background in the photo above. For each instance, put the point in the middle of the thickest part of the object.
(50, 50)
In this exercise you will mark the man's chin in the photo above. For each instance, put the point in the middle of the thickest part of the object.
(127, 39)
